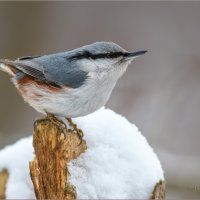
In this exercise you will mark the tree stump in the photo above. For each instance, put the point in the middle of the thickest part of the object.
(159, 192)
(54, 148)
(3, 182)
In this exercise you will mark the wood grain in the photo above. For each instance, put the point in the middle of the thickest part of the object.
(54, 148)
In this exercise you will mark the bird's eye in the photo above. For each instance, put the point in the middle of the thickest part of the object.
(108, 55)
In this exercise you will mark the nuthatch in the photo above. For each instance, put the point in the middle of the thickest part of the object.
(73, 83)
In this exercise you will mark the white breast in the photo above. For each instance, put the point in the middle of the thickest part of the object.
(77, 102)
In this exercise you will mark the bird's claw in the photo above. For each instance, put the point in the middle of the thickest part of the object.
(76, 130)
(80, 135)
(38, 121)
(57, 122)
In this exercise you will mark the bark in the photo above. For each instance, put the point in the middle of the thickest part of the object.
(3, 182)
(54, 148)
(159, 192)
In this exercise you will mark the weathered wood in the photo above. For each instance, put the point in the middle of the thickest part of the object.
(3, 181)
(54, 148)
(159, 192)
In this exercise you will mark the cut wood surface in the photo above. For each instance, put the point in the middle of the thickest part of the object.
(54, 147)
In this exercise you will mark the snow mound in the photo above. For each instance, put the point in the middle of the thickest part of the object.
(118, 163)
(15, 158)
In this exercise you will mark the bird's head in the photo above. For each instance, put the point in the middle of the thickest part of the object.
(104, 57)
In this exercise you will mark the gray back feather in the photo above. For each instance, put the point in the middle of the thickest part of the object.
(59, 69)
(53, 68)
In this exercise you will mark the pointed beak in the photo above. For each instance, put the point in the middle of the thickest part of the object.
(135, 54)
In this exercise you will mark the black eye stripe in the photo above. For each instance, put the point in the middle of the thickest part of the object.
(87, 55)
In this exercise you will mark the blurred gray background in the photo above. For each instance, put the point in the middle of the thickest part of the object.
(160, 92)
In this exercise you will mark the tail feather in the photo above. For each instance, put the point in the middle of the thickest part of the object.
(8, 67)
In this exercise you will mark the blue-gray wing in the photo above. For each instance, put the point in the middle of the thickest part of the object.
(62, 71)
(25, 68)
(55, 68)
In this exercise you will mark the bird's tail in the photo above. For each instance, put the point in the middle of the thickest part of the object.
(8, 67)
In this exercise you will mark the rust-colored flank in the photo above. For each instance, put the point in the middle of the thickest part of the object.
(28, 80)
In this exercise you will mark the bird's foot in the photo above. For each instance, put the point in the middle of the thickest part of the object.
(78, 131)
(57, 122)
(39, 121)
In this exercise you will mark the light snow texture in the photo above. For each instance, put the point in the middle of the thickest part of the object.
(118, 163)
(15, 158)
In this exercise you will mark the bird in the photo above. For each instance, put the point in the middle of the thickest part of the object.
(70, 84)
